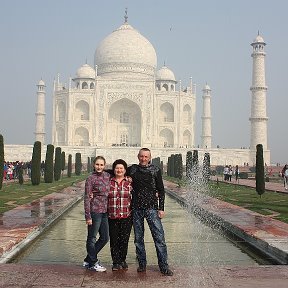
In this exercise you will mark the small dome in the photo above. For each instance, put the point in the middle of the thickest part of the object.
(41, 83)
(206, 87)
(125, 50)
(258, 39)
(165, 74)
(86, 71)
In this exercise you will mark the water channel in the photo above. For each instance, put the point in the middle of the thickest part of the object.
(189, 242)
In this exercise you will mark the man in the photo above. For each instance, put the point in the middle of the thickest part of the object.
(148, 202)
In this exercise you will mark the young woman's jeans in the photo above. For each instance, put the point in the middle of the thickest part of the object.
(93, 246)
(157, 232)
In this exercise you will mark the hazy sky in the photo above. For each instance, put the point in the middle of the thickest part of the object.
(206, 40)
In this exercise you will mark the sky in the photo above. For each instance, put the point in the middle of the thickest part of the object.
(206, 40)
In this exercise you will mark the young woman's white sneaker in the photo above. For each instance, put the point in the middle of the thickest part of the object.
(98, 267)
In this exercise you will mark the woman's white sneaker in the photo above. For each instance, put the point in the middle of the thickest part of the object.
(98, 267)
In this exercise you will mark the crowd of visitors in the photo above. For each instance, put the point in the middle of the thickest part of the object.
(11, 169)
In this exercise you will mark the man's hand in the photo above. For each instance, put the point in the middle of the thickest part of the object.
(89, 222)
(161, 214)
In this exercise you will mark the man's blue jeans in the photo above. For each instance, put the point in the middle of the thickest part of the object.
(93, 246)
(157, 231)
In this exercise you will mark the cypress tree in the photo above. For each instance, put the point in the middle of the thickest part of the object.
(57, 164)
(195, 161)
(1, 160)
(260, 174)
(172, 171)
(36, 164)
(20, 176)
(88, 165)
(179, 166)
(69, 168)
(63, 162)
(48, 173)
(206, 167)
(78, 164)
(189, 164)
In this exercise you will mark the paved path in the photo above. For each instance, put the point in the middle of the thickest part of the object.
(27, 220)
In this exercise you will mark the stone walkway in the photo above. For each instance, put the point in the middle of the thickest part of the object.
(24, 223)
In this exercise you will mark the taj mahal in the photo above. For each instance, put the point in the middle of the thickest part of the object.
(125, 102)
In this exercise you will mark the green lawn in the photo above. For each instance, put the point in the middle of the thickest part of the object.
(271, 204)
(13, 194)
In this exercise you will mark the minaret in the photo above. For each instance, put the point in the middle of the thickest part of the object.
(40, 113)
(258, 89)
(206, 118)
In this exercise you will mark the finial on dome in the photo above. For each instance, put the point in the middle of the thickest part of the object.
(126, 16)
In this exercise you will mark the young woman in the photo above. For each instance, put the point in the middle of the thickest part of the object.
(97, 187)
(119, 213)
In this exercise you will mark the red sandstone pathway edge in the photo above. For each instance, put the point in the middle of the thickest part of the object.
(25, 275)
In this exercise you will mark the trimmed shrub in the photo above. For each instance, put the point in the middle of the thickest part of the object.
(178, 166)
(195, 161)
(206, 167)
(1, 160)
(260, 173)
(36, 164)
(189, 164)
(20, 176)
(48, 173)
(57, 164)
(63, 161)
(243, 175)
(78, 164)
(88, 165)
(69, 168)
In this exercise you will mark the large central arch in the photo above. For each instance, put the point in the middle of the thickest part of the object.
(124, 124)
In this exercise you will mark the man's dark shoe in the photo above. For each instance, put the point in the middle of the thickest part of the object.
(167, 272)
(116, 267)
(141, 268)
(124, 265)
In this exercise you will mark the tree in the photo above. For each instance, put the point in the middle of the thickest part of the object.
(48, 173)
(206, 167)
(195, 161)
(63, 162)
(57, 164)
(260, 174)
(1, 160)
(189, 164)
(88, 165)
(178, 166)
(20, 175)
(69, 168)
(78, 164)
(36, 164)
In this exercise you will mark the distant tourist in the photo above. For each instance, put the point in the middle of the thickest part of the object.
(285, 176)
(226, 173)
(97, 187)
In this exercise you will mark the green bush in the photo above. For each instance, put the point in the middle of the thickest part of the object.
(69, 168)
(36, 164)
(189, 164)
(48, 172)
(267, 179)
(20, 176)
(57, 164)
(1, 160)
(219, 169)
(63, 161)
(78, 164)
(260, 173)
(243, 175)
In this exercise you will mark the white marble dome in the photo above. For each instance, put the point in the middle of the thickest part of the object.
(86, 71)
(165, 74)
(258, 39)
(125, 50)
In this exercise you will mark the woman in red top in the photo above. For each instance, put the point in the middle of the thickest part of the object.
(120, 216)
